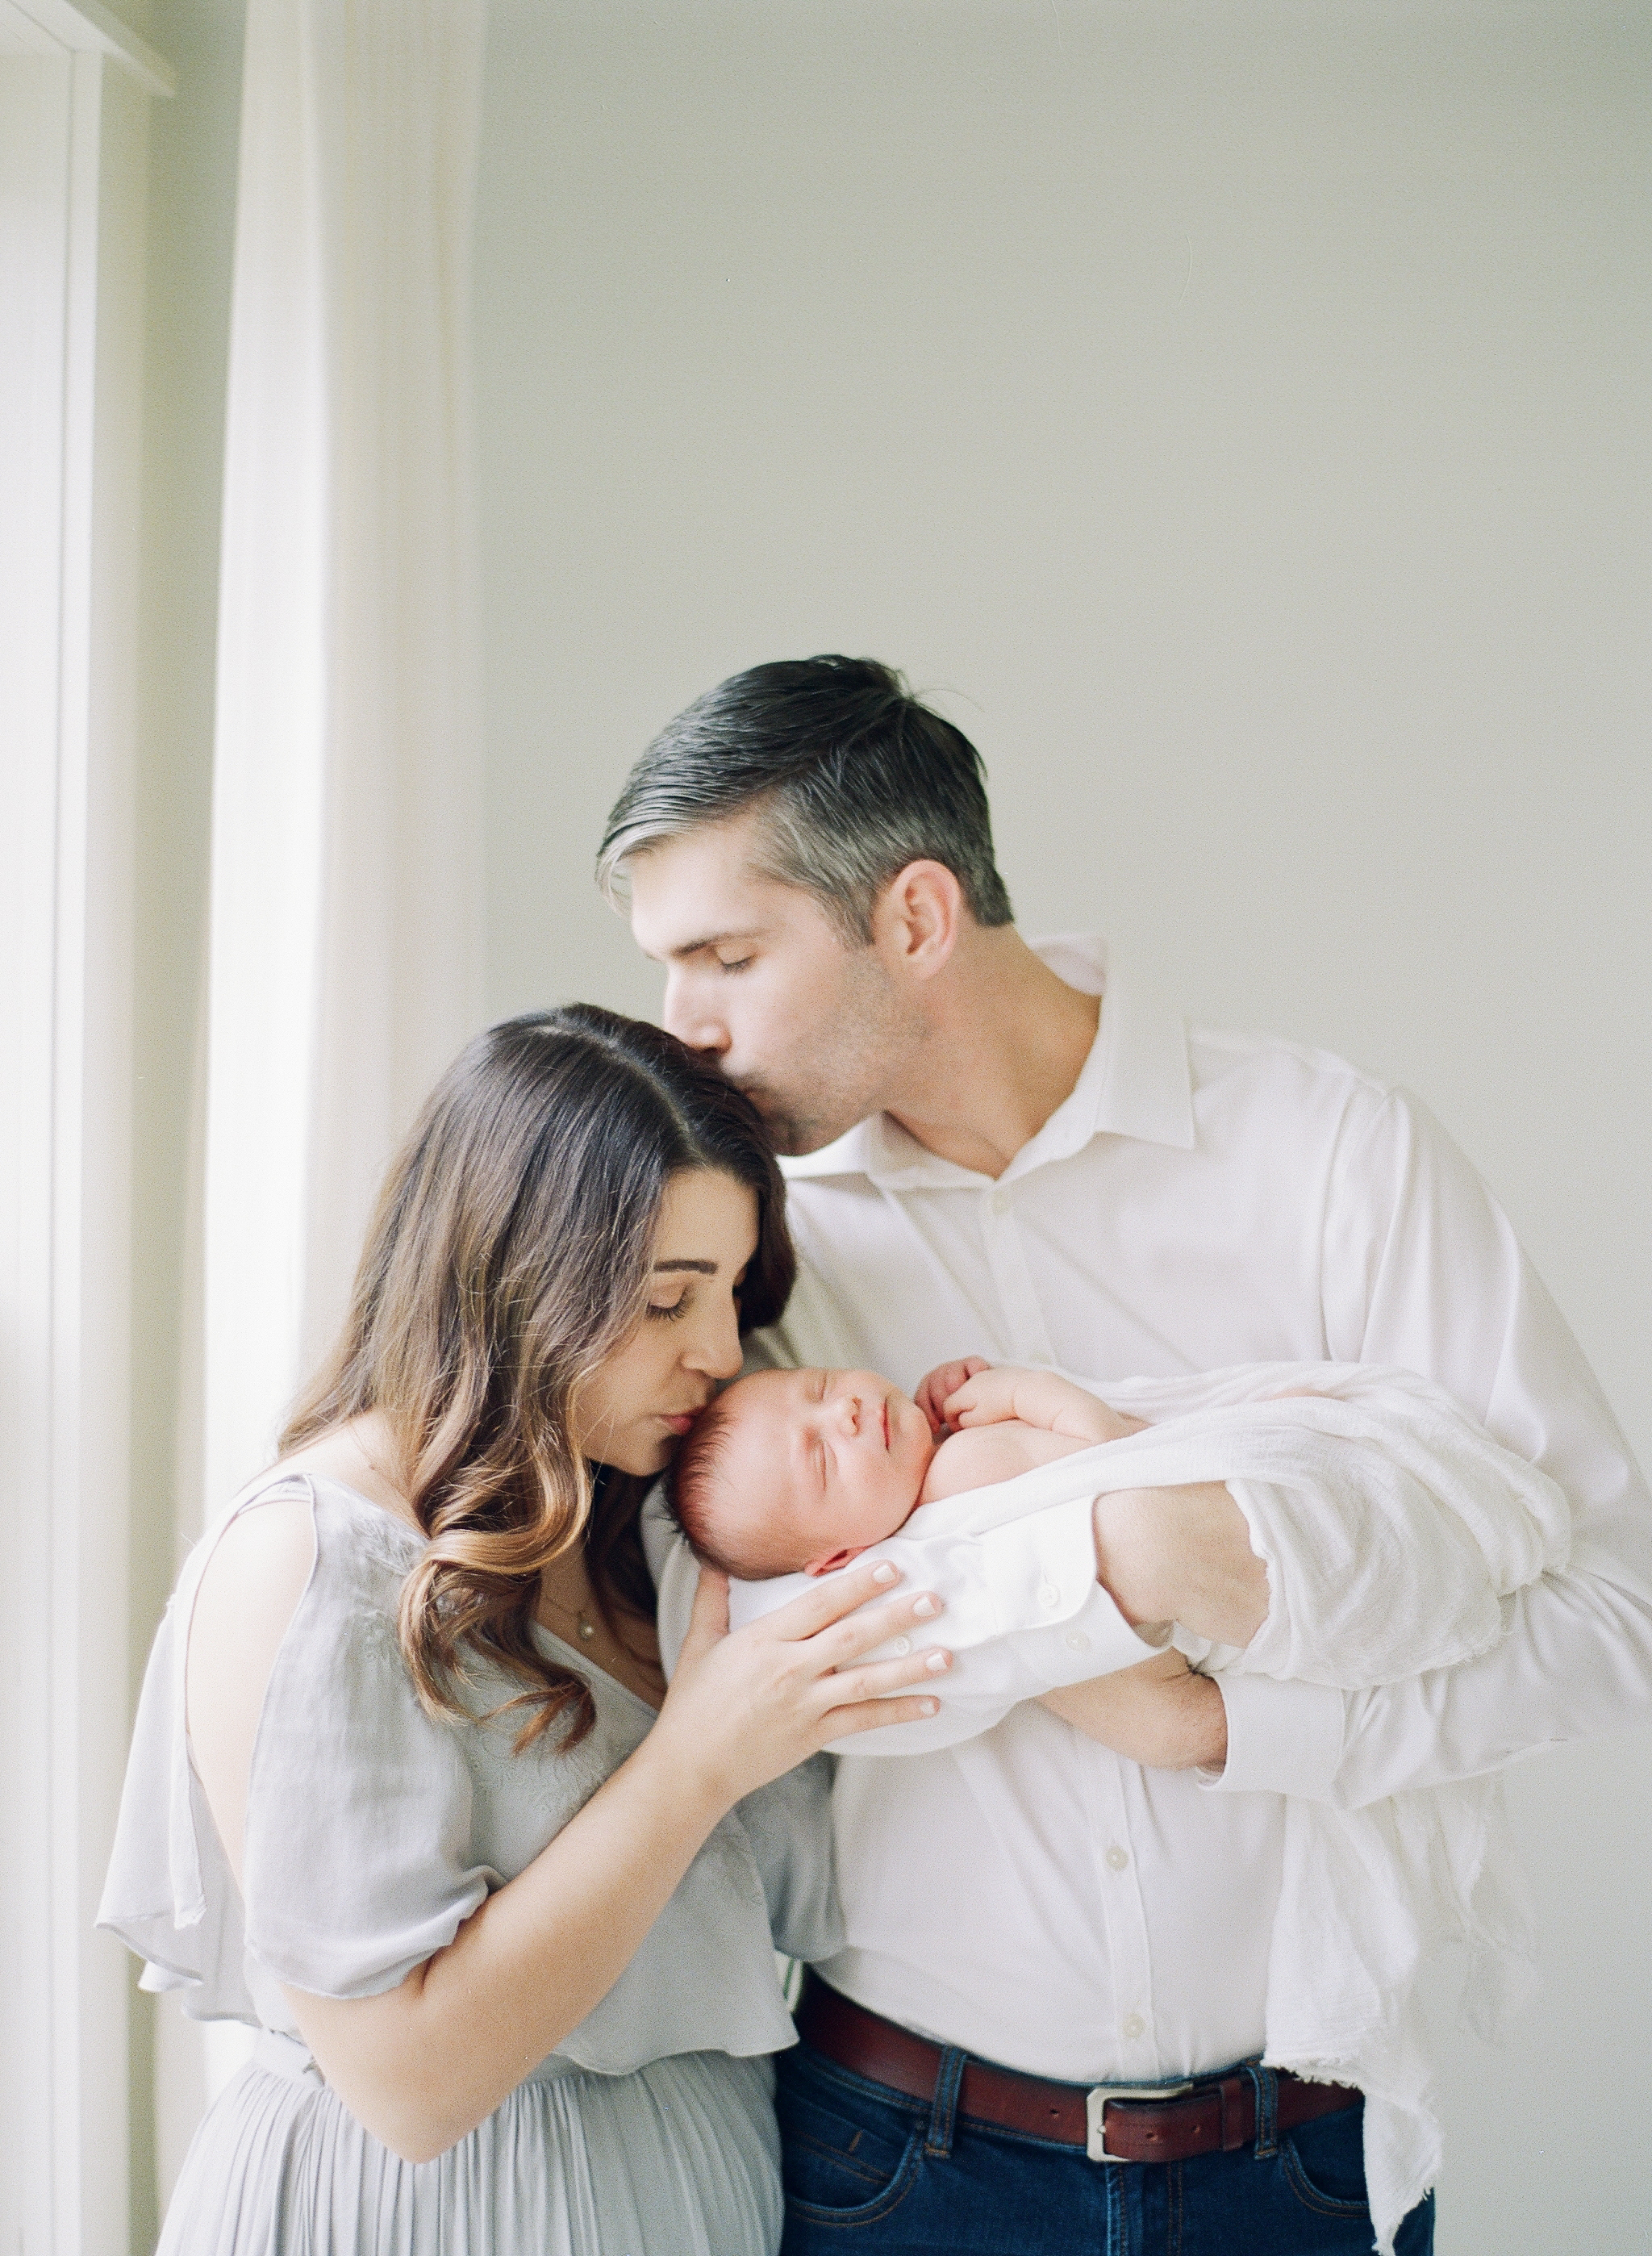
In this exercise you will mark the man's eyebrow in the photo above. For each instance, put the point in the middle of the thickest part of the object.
(700, 1268)
(712, 940)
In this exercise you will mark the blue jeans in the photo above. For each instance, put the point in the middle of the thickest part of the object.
(866, 2168)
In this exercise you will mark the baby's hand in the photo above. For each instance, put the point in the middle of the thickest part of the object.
(1038, 1397)
(945, 1379)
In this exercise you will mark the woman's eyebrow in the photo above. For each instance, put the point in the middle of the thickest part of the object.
(701, 1268)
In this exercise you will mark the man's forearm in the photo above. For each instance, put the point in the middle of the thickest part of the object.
(1157, 1713)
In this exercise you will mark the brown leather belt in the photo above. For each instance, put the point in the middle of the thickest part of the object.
(1209, 2115)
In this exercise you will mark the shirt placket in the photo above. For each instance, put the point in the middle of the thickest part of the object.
(1012, 1278)
(1131, 2041)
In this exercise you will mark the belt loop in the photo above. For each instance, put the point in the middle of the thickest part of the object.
(943, 2108)
(1265, 2083)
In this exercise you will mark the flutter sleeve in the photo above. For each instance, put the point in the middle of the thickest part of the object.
(357, 1857)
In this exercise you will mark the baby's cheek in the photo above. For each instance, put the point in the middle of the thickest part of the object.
(896, 1497)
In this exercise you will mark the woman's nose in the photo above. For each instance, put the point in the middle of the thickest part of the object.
(715, 1349)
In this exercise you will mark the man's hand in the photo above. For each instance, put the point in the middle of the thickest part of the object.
(1158, 1714)
(1038, 1397)
(945, 1379)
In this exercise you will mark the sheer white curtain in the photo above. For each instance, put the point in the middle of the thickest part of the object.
(345, 879)
(346, 884)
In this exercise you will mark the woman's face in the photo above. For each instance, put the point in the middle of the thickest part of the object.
(637, 1404)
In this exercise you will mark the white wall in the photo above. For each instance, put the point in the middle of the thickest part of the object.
(1240, 413)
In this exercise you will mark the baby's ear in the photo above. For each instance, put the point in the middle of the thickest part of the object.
(833, 1559)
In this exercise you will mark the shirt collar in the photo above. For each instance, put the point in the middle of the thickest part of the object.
(1135, 1081)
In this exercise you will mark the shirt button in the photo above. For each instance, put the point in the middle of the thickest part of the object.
(1133, 2027)
(1078, 1640)
(1118, 1858)
(902, 1645)
(1049, 1596)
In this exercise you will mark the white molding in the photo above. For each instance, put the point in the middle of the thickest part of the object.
(72, 173)
(86, 27)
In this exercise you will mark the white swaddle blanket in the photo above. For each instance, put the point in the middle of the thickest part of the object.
(1393, 1528)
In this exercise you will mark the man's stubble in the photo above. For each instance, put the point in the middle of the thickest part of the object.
(843, 1069)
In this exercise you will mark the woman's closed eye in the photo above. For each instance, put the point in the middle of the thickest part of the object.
(668, 1311)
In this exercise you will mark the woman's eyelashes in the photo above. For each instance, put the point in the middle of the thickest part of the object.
(667, 1311)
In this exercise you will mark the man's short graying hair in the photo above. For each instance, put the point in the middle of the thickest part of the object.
(854, 777)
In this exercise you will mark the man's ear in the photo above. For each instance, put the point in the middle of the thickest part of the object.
(916, 918)
(833, 1559)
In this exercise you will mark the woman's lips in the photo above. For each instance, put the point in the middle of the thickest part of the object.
(678, 1420)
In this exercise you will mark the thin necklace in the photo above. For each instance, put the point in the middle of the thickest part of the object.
(577, 1615)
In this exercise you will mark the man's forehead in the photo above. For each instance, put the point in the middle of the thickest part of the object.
(701, 889)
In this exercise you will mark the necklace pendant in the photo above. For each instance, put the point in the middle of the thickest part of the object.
(588, 1627)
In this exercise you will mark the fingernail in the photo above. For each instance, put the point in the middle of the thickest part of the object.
(925, 1607)
(884, 1572)
(929, 1706)
(935, 1661)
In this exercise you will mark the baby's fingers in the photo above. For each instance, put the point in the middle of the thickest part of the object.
(981, 1400)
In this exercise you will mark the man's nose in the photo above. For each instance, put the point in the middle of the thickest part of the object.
(686, 1016)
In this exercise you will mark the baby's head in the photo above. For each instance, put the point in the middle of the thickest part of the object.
(795, 1472)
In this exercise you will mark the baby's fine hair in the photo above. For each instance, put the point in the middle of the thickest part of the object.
(695, 1487)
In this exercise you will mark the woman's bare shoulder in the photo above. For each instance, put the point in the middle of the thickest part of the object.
(250, 1591)
(251, 1587)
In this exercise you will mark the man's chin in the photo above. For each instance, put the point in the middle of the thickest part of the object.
(793, 1135)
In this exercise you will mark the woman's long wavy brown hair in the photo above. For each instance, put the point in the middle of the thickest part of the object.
(510, 1253)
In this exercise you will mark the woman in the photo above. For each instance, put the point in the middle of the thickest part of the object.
(407, 1790)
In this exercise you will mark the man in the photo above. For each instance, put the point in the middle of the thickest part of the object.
(1010, 1151)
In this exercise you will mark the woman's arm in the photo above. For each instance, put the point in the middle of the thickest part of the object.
(422, 2064)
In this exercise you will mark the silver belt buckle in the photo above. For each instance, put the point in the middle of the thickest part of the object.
(1095, 2112)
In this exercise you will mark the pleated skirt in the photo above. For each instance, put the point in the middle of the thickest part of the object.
(678, 2159)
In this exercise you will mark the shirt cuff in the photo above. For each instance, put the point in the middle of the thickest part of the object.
(1040, 1573)
(1282, 1738)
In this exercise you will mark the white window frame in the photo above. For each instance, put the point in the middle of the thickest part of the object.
(75, 86)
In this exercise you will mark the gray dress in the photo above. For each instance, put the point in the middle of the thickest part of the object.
(372, 1832)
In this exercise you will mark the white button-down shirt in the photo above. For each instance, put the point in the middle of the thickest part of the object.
(1199, 1199)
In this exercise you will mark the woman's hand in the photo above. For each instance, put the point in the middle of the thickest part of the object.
(422, 2064)
(1158, 1714)
(746, 1705)
(987, 1395)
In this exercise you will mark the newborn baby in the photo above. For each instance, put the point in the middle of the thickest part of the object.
(794, 1473)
